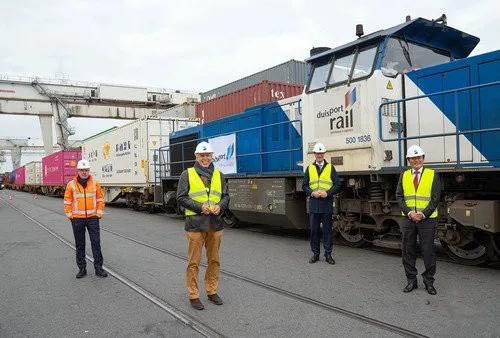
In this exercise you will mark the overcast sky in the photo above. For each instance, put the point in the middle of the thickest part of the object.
(194, 45)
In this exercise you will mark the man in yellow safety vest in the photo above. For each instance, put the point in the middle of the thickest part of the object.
(202, 193)
(320, 185)
(418, 194)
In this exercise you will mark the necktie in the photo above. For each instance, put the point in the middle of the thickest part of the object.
(415, 181)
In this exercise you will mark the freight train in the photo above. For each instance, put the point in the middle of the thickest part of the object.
(368, 101)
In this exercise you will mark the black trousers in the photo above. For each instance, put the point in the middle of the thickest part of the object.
(315, 219)
(92, 225)
(426, 231)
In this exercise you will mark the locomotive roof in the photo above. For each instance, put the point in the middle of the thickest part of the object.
(419, 30)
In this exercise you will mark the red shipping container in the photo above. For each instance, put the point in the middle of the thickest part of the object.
(59, 168)
(20, 176)
(238, 101)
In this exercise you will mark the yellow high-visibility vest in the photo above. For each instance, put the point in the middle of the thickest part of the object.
(321, 182)
(420, 199)
(200, 193)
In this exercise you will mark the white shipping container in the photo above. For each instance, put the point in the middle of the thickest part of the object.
(33, 173)
(123, 93)
(124, 156)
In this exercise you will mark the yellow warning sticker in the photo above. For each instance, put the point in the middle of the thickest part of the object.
(389, 85)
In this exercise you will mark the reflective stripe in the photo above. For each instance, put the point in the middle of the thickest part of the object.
(67, 203)
(80, 212)
(85, 195)
(199, 193)
(418, 198)
(100, 200)
(215, 193)
(100, 212)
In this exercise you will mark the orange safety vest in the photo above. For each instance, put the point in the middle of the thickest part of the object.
(82, 202)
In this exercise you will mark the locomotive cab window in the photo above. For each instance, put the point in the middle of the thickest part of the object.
(402, 56)
(347, 67)
(319, 75)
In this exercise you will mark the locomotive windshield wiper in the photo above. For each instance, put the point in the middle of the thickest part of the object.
(405, 51)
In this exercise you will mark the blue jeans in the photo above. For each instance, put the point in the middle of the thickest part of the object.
(92, 225)
(314, 222)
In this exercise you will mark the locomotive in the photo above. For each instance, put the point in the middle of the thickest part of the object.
(368, 101)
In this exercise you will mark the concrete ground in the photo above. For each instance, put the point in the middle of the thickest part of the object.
(364, 282)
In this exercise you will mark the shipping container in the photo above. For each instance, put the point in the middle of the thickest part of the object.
(267, 131)
(12, 177)
(123, 93)
(290, 72)
(58, 169)
(20, 176)
(123, 160)
(242, 99)
(33, 173)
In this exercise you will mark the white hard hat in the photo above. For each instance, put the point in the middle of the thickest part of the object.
(203, 147)
(319, 148)
(414, 151)
(83, 164)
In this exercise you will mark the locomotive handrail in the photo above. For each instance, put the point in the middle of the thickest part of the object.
(457, 132)
(164, 167)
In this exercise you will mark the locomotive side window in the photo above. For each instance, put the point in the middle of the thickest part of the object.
(402, 56)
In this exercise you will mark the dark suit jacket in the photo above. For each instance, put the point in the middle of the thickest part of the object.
(435, 195)
(321, 205)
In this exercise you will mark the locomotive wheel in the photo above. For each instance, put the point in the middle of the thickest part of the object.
(473, 253)
(352, 238)
(230, 221)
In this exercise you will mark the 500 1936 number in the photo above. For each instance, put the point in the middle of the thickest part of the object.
(359, 139)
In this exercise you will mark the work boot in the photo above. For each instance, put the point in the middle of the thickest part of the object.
(81, 273)
(329, 259)
(215, 299)
(195, 303)
(101, 273)
(430, 289)
(410, 286)
(314, 259)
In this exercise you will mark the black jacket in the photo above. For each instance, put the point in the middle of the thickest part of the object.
(435, 195)
(201, 222)
(321, 205)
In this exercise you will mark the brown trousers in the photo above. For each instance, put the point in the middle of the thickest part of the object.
(196, 240)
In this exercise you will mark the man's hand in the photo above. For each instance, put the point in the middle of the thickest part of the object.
(415, 216)
(205, 208)
(315, 194)
(421, 215)
(215, 209)
(322, 194)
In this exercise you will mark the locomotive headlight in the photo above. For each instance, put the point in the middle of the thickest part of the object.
(351, 182)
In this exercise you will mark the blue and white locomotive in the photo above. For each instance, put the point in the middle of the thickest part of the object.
(367, 101)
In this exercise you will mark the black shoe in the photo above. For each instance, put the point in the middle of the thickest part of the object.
(101, 273)
(431, 290)
(411, 286)
(195, 303)
(81, 273)
(215, 299)
(314, 259)
(329, 259)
